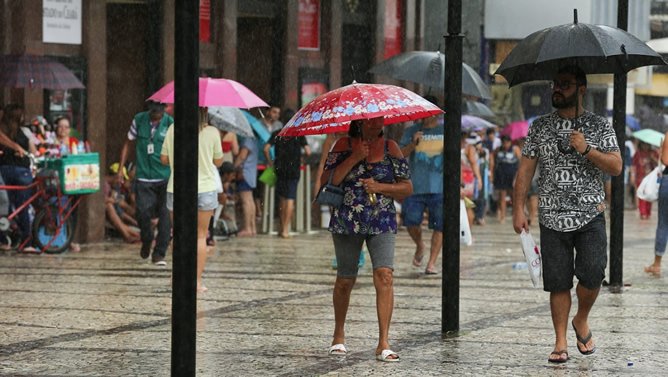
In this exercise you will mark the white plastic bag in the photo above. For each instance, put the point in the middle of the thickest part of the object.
(464, 228)
(649, 186)
(533, 258)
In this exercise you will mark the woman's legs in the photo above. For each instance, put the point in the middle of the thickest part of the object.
(382, 281)
(661, 237)
(341, 299)
(248, 206)
(502, 205)
(203, 218)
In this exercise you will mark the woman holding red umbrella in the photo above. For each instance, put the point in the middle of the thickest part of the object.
(373, 173)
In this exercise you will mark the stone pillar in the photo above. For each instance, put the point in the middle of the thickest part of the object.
(168, 21)
(291, 57)
(91, 210)
(379, 53)
(336, 24)
(226, 59)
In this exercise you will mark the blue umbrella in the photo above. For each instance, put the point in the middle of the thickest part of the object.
(632, 122)
(262, 133)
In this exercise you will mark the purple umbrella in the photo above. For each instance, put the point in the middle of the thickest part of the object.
(35, 71)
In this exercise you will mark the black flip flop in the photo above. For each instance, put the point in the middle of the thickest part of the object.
(582, 340)
(559, 360)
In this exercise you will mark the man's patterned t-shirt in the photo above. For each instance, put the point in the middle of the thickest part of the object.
(570, 186)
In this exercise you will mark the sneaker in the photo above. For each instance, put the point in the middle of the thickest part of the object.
(158, 260)
(145, 250)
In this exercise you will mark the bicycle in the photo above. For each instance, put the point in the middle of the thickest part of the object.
(53, 225)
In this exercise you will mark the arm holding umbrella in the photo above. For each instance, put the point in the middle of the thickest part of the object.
(397, 190)
(609, 162)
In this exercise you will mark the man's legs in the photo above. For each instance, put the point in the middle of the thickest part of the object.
(586, 299)
(248, 205)
(560, 307)
(412, 211)
(416, 234)
(436, 246)
(146, 200)
(164, 223)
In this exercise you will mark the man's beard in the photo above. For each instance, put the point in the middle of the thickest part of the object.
(564, 102)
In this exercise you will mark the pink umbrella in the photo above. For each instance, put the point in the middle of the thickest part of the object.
(516, 130)
(215, 92)
(332, 112)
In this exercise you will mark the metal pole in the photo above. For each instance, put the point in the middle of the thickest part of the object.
(617, 200)
(184, 291)
(452, 168)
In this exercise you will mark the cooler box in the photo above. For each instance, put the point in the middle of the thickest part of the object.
(77, 173)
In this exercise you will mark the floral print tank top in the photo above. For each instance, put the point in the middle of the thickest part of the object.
(357, 215)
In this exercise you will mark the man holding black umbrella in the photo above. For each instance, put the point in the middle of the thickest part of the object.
(575, 149)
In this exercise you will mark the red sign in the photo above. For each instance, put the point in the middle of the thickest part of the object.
(205, 20)
(394, 38)
(308, 25)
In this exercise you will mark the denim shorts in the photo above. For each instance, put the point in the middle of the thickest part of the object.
(414, 206)
(244, 186)
(206, 201)
(287, 187)
(349, 246)
(588, 262)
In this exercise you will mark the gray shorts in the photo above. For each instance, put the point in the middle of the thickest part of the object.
(588, 264)
(349, 246)
(206, 201)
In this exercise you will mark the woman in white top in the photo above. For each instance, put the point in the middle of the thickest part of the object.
(209, 151)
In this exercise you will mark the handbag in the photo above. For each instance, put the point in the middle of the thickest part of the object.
(329, 194)
(268, 176)
(649, 186)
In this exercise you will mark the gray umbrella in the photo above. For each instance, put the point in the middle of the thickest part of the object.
(594, 48)
(428, 68)
(478, 109)
(230, 119)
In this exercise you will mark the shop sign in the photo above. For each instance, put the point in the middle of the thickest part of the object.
(61, 21)
(308, 21)
(205, 21)
(393, 28)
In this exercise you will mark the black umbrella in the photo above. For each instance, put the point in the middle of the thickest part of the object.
(428, 68)
(594, 48)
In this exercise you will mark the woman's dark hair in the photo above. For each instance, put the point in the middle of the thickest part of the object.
(355, 129)
(59, 118)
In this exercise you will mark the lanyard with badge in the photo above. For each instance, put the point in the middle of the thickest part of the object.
(150, 148)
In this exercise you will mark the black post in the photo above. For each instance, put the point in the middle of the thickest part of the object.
(617, 210)
(452, 168)
(184, 290)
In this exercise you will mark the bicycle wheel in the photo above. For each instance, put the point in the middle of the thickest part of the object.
(44, 228)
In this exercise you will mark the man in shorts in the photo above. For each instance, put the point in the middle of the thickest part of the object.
(287, 164)
(422, 144)
(574, 155)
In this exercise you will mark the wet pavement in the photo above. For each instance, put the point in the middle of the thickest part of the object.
(268, 312)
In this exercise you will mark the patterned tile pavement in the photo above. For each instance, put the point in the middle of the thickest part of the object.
(106, 312)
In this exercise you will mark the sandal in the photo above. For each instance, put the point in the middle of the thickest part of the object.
(338, 350)
(417, 260)
(584, 341)
(387, 356)
(559, 360)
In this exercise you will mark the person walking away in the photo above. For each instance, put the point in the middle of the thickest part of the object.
(147, 133)
(505, 161)
(287, 164)
(484, 156)
(572, 204)
(644, 161)
(373, 173)
(246, 166)
(661, 237)
(422, 144)
(15, 167)
(470, 175)
(209, 158)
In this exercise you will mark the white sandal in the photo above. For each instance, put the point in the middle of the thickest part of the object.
(338, 350)
(385, 356)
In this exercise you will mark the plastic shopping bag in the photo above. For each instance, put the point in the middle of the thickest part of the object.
(649, 186)
(533, 258)
(464, 228)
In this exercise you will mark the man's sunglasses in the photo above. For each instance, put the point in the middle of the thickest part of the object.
(562, 85)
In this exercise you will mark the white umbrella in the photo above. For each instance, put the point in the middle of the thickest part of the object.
(230, 119)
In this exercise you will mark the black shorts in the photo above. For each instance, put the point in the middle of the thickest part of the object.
(588, 263)
(287, 187)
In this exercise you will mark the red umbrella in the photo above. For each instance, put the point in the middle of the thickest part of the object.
(215, 92)
(35, 71)
(333, 111)
(516, 130)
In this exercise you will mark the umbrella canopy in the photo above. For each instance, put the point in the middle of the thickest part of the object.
(516, 130)
(593, 48)
(215, 92)
(649, 136)
(332, 112)
(428, 68)
(659, 45)
(632, 122)
(259, 129)
(473, 123)
(35, 71)
(478, 109)
(230, 119)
